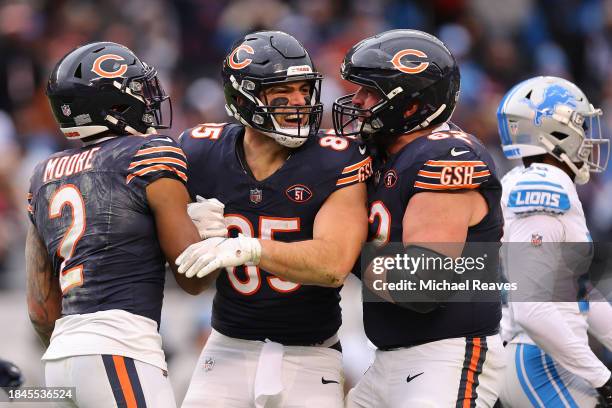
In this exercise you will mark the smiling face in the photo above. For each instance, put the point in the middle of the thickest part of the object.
(291, 94)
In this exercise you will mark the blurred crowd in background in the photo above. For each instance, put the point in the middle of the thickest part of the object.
(496, 42)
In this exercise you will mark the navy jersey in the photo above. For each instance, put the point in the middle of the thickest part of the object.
(446, 160)
(250, 303)
(90, 208)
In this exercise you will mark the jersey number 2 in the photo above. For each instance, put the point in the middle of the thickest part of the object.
(69, 195)
(267, 227)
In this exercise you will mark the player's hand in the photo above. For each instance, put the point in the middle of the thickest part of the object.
(605, 395)
(207, 256)
(207, 215)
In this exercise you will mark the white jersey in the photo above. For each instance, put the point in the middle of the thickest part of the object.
(112, 332)
(542, 189)
(540, 206)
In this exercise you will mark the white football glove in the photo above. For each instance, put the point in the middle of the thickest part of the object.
(207, 256)
(207, 215)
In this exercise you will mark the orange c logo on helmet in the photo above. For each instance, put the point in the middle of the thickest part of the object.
(397, 63)
(239, 65)
(97, 66)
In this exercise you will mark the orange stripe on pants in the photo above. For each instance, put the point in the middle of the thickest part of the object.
(124, 380)
(471, 371)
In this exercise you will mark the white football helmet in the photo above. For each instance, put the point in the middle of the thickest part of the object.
(552, 115)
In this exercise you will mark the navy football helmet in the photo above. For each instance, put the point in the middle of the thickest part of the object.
(264, 59)
(410, 69)
(104, 86)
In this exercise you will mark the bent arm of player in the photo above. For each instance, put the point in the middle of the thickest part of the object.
(339, 230)
(168, 199)
(600, 321)
(438, 218)
(545, 324)
(436, 225)
(43, 292)
(547, 327)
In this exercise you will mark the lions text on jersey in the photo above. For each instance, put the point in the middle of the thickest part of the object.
(549, 361)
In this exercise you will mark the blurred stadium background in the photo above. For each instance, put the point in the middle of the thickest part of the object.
(497, 43)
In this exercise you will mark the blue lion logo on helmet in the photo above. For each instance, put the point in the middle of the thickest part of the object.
(553, 95)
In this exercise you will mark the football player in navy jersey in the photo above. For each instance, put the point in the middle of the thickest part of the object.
(295, 195)
(434, 185)
(105, 216)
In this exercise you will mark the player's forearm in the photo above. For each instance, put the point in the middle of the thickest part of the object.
(600, 322)
(312, 262)
(193, 286)
(43, 293)
(44, 309)
(547, 327)
(43, 313)
(168, 198)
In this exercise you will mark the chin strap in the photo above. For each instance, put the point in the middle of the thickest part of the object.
(429, 119)
(377, 123)
(582, 174)
(284, 140)
(122, 125)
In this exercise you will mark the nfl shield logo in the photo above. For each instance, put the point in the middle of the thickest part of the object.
(66, 110)
(209, 363)
(255, 196)
(536, 240)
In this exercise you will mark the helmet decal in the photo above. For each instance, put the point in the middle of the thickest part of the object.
(299, 70)
(242, 64)
(397, 63)
(553, 95)
(97, 66)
